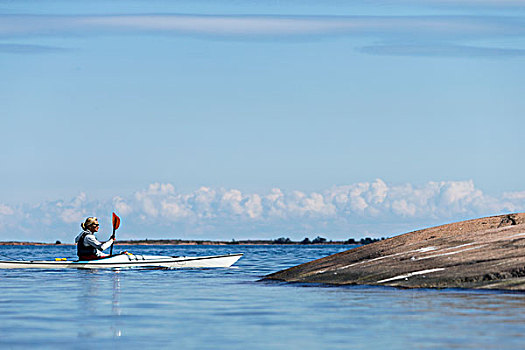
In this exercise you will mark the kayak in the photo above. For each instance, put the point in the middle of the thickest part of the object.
(128, 260)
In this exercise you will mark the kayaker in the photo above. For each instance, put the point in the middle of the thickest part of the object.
(88, 246)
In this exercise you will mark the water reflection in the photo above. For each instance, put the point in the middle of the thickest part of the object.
(90, 291)
(87, 302)
(98, 289)
(115, 309)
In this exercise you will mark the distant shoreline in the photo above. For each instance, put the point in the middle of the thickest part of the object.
(279, 241)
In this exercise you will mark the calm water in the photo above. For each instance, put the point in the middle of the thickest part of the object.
(228, 309)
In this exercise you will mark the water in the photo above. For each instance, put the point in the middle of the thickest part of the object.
(228, 309)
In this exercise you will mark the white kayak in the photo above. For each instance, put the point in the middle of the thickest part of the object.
(127, 260)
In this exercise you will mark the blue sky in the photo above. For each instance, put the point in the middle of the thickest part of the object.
(222, 119)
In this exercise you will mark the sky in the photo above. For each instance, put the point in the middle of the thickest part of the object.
(259, 119)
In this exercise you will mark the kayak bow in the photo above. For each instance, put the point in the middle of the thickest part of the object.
(128, 260)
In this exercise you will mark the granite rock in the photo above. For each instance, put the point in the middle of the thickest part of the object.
(486, 253)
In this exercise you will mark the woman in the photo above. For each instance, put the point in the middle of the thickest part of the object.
(88, 246)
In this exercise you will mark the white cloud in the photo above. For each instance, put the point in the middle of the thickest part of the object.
(148, 206)
(201, 202)
(173, 210)
(6, 210)
(358, 204)
(253, 206)
(231, 202)
(459, 193)
(274, 203)
(122, 206)
(315, 204)
(363, 207)
(159, 189)
(514, 195)
(79, 200)
(403, 208)
(397, 35)
(71, 215)
(379, 192)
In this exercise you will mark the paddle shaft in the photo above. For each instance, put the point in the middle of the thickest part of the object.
(112, 236)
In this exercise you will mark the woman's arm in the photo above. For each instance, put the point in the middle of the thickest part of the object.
(94, 242)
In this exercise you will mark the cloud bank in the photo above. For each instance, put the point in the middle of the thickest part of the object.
(160, 211)
(400, 35)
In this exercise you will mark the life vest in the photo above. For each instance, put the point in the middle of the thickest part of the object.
(85, 252)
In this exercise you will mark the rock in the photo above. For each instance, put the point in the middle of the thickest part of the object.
(486, 253)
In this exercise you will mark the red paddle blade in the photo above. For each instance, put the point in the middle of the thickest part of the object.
(116, 221)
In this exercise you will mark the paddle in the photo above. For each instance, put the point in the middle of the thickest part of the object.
(116, 224)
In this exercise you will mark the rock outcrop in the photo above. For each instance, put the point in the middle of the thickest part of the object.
(486, 253)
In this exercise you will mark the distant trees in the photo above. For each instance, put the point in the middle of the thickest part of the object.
(282, 240)
(286, 240)
(322, 240)
(368, 240)
(319, 240)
